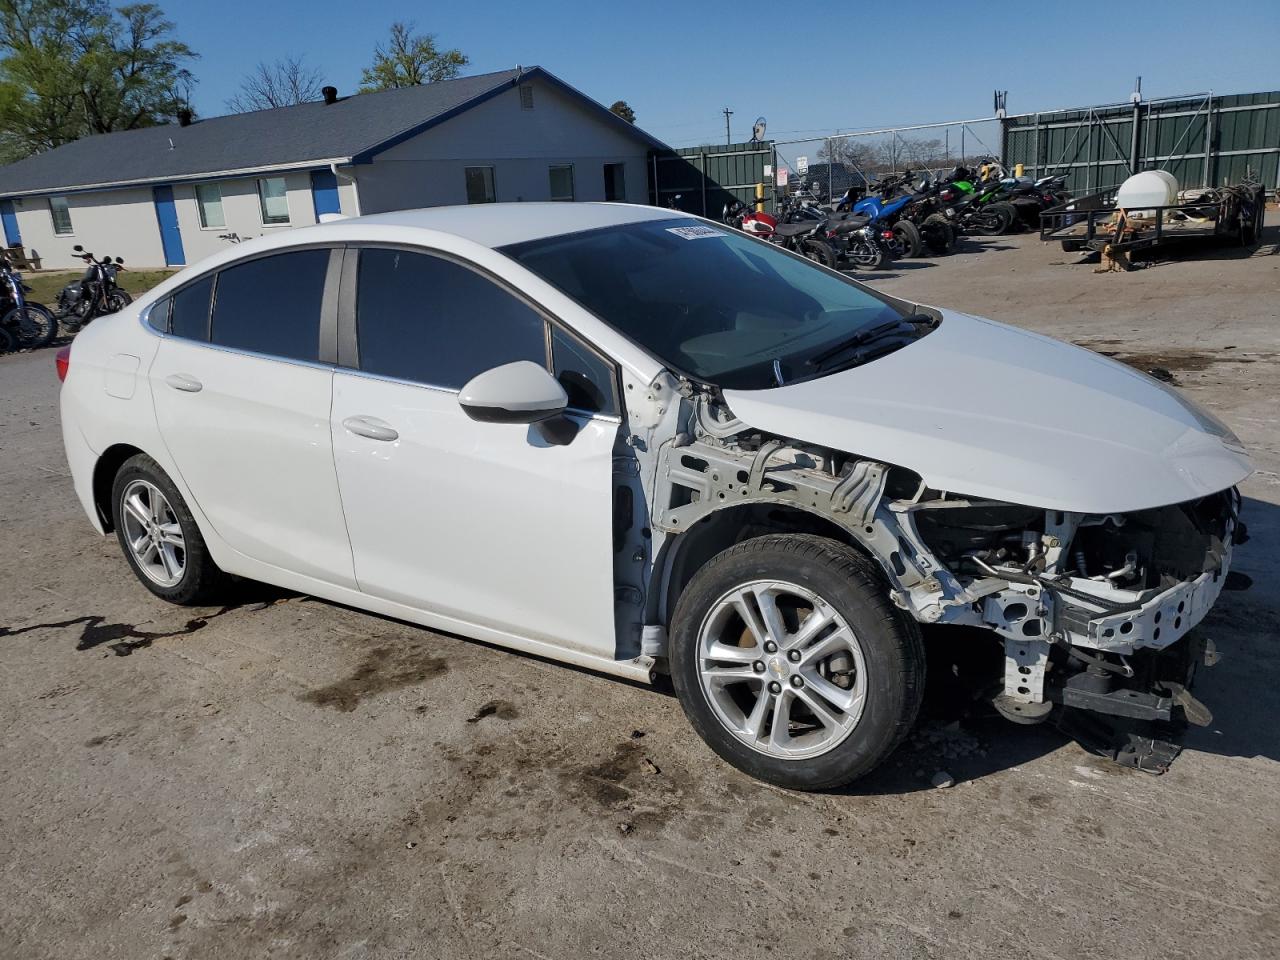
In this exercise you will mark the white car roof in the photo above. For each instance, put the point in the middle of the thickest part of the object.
(498, 224)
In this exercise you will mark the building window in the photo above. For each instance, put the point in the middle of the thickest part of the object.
(209, 202)
(562, 182)
(274, 200)
(526, 96)
(615, 184)
(61, 215)
(480, 185)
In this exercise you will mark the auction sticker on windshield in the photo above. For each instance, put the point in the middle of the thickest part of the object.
(694, 232)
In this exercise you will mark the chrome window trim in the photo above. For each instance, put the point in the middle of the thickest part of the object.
(348, 334)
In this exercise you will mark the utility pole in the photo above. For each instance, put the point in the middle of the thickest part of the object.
(727, 138)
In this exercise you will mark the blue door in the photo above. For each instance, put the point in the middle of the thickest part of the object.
(324, 192)
(170, 235)
(12, 237)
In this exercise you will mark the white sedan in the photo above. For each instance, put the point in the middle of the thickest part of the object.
(644, 443)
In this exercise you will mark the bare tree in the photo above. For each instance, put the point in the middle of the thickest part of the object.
(409, 59)
(280, 84)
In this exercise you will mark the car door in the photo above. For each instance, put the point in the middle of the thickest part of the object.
(485, 523)
(242, 386)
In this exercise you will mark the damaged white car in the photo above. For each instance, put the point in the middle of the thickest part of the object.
(644, 443)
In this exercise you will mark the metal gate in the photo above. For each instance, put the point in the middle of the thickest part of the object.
(1203, 140)
(703, 180)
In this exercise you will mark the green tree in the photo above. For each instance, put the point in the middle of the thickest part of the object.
(623, 109)
(409, 59)
(73, 68)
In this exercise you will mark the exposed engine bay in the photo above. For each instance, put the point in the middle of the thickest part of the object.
(1093, 610)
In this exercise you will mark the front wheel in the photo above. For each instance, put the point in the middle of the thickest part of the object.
(31, 325)
(792, 664)
(118, 300)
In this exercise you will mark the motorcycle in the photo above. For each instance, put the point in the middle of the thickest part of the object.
(95, 294)
(857, 240)
(803, 236)
(26, 324)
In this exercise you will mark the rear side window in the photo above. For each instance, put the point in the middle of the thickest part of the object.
(158, 315)
(272, 305)
(189, 316)
(432, 321)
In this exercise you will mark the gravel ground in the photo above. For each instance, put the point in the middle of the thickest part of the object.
(289, 778)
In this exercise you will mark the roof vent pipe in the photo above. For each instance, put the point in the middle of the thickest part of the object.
(330, 95)
(185, 117)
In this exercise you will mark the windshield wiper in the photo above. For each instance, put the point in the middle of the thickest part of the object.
(867, 336)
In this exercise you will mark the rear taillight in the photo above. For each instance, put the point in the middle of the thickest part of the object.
(886, 234)
(62, 361)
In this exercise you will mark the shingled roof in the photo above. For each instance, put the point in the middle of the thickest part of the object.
(351, 130)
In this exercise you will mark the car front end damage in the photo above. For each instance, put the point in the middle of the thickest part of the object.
(1093, 609)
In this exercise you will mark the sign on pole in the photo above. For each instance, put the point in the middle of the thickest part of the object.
(802, 166)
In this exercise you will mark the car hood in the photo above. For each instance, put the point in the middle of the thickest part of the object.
(988, 410)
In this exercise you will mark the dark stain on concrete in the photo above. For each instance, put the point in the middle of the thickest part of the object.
(502, 709)
(387, 667)
(122, 638)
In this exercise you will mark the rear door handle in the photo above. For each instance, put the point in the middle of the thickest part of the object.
(371, 428)
(184, 382)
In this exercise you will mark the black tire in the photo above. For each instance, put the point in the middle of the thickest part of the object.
(6, 341)
(118, 301)
(908, 235)
(819, 251)
(201, 582)
(852, 586)
(938, 234)
(1072, 246)
(32, 326)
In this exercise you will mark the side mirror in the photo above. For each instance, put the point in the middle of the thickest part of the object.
(119, 259)
(520, 392)
(78, 249)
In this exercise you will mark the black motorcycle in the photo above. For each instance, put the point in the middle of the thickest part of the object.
(95, 294)
(26, 324)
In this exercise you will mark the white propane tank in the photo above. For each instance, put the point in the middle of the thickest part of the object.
(1151, 188)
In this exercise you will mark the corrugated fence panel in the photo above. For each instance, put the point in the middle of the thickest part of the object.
(703, 180)
(1093, 146)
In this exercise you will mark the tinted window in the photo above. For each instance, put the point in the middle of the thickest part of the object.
(272, 305)
(158, 315)
(586, 378)
(190, 315)
(714, 303)
(426, 319)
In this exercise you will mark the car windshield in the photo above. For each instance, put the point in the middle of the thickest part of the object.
(710, 302)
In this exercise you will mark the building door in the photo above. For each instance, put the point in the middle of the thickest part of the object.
(324, 192)
(170, 234)
(12, 238)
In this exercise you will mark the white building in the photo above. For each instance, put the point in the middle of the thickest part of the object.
(165, 196)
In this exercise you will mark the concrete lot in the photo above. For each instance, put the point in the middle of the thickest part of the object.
(288, 778)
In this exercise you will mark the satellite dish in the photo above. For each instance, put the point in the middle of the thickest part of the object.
(757, 130)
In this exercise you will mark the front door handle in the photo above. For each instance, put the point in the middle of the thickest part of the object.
(371, 428)
(184, 382)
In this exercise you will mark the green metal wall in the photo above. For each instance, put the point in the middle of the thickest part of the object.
(706, 178)
(1095, 146)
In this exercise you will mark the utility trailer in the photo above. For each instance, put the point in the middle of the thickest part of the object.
(1233, 213)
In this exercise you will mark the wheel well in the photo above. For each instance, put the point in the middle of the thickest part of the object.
(104, 475)
(689, 551)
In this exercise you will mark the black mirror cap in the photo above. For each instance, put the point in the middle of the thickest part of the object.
(487, 414)
(119, 259)
(78, 249)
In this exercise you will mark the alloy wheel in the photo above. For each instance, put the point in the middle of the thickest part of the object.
(153, 533)
(781, 669)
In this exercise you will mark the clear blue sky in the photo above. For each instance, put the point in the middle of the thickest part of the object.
(679, 63)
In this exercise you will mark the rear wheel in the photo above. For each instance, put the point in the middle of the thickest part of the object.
(938, 235)
(31, 325)
(991, 221)
(159, 536)
(792, 664)
(864, 255)
(819, 251)
(908, 235)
